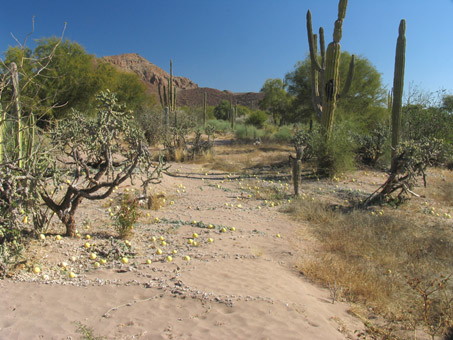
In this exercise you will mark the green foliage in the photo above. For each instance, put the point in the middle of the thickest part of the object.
(284, 134)
(334, 156)
(126, 216)
(363, 102)
(70, 79)
(248, 132)
(419, 121)
(276, 100)
(220, 126)
(257, 118)
(222, 111)
(152, 123)
(370, 146)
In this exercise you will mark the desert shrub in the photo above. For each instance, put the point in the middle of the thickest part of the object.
(257, 118)
(220, 126)
(284, 134)
(200, 146)
(175, 136)
(126, 216)
(152, 123)
(248, 132)
(334, 156)
(370, 146)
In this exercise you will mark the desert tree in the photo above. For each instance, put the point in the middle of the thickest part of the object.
(94, 156)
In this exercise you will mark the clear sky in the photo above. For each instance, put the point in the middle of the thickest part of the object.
(238, 44)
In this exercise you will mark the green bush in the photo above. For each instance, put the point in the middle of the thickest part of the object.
(220, 126)
(370, 147)
(337, 155)
(248, 132)
(126, 216)
(257, 118)
(284, 134)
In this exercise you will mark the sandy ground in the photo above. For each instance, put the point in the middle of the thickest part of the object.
(242, 285)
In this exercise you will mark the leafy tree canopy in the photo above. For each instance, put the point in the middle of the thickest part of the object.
(276, 100)
(70, 79)
(364, 101)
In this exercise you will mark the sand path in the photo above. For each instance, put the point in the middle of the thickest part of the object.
(241, 286)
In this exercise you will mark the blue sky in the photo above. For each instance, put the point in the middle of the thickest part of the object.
(238, 44)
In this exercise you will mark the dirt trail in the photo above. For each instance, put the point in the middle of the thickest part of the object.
(241, 286)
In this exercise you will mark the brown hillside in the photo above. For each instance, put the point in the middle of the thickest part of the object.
(188, 92)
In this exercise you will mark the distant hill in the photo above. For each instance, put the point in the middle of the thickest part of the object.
(188, 92)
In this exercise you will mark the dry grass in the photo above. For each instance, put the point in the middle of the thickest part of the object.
(248, 157)
(373, 257)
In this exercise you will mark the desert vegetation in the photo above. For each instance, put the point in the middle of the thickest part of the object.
(364, 173)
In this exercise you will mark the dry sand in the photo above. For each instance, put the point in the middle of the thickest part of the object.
(243, 285)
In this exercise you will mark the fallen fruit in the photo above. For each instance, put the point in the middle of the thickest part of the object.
(103, 261)
(169, 258)
(72, 275)
(87, 245)
(97, 265)
(92, 256)
(58, 237)
(148, 261)
(42, 237)
(195, 235)
(187, 258)
(124, 260)
(36, 270)
(159, 252)
(210, 240)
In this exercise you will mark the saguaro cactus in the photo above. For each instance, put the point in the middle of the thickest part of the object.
(167, 96)
(398, 85)
(2, 128)
(19, 134)
(205, 98)
(325, 75)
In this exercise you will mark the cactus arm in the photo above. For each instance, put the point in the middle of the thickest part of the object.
(398, 85)
(342, 9)
(315, 93)
(160, 95)
(311, 43)
(349, 78)
(165, 97)
(322, 46)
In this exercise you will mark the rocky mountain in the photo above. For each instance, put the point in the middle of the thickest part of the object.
(188, 92)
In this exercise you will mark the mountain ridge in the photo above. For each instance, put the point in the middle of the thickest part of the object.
(188, 92)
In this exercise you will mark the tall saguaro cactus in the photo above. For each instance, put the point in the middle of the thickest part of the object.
(2, 128)
(167, 96)
(19, 134)
(326, 74)
(398, 85)
(205, 99)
